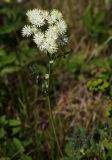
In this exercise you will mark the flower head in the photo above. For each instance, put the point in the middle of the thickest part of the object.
(38, 38)
(47, 40)
(36, 17)
(54, 16)
(51, 45)
(26, 31)
(52, 32)
(62, 26)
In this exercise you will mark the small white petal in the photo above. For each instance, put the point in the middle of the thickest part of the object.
(51, 45)
(26, 31)
(38, 38)
(45, 14)
(52, 32)
(46, 76)
(54, 16)
(62, 26)
(35, 17)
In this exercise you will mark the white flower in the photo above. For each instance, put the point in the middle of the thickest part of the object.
(51, 61)
(42, 47)
(26, 31)
(52, 32)
(62, 26)
(35, 17)
(38, 38)
(49, 45)
(46, 76)
(34, 29)
(51, 19)
(54, 36)
(54, 16)
(45, 14)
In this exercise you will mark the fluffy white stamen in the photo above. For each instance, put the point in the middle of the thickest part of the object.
(48, 29)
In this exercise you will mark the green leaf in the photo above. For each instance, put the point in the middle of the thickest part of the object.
(69, 150)
(25, 157)
(109, 153)
(99, 17)
(8, 70)
(87, 17)
(2, 133)
(2, 53)
(16, 130)
(7, 60)
(3, 121)
(14, 123)
(107, 144)
(15, 147)
(74, 63)
(4, 158)
(18, 145)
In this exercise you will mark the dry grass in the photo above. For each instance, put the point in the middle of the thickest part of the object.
(80, 107)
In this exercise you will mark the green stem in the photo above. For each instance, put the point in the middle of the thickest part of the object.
(50, 112)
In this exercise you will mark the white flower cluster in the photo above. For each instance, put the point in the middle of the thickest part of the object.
(48, 29)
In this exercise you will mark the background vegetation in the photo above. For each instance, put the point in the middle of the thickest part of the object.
(82, 85)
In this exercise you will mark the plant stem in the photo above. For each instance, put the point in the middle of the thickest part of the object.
(50, 112)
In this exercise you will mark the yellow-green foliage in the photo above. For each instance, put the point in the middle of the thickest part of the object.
(98, 85)
(109, 110)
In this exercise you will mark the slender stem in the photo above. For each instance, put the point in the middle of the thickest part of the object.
(51, 114)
